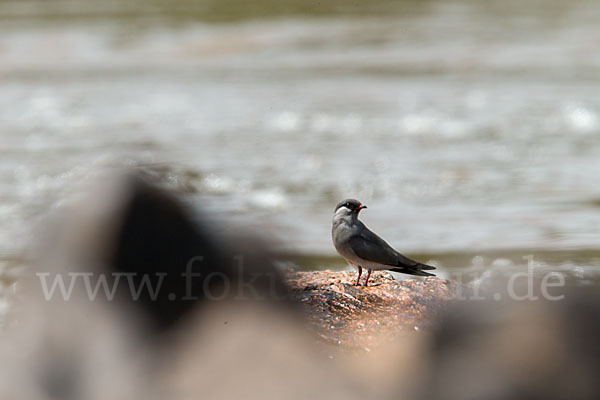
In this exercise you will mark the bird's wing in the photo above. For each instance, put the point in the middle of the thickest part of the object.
(407, 262)
(416, 270)
(371, 247)
(368, 246)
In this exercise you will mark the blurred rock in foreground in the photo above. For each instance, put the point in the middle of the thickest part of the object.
(525, 350)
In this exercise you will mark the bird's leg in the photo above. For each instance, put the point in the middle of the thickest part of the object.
(359, 272)
(368, 276)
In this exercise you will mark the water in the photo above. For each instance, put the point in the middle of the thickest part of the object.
(466, 127)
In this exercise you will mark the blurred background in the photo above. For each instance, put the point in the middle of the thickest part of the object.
(471, 129)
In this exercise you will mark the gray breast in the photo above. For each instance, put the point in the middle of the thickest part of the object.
(341, 233)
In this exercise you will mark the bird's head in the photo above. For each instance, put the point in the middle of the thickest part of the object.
(349, 207)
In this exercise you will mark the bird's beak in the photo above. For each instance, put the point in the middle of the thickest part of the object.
(361, 207)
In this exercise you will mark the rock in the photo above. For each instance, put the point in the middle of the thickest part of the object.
(361, 317)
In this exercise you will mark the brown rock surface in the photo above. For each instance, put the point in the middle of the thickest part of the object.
(359, 317)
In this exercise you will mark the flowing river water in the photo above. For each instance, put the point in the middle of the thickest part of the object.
(471, 129)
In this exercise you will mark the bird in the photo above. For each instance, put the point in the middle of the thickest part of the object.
(362, 248)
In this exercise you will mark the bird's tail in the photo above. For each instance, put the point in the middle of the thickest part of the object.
(417, 269)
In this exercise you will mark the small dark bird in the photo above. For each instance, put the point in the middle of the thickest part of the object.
(364, 249)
